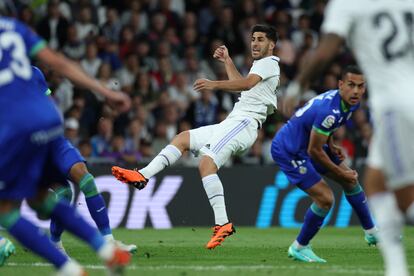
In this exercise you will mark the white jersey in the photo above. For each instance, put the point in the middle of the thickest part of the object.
(381, 35)
(261, 99)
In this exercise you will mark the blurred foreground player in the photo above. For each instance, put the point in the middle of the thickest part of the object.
(380, 34)
(29, 123)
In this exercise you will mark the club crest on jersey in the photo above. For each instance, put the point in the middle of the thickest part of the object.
(328, 121)
(303, 170)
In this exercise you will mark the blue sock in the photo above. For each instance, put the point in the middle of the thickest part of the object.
(56, 229)
(67, 216)
(313, 221)
(96, 204)
(32, 237)
(358, 201)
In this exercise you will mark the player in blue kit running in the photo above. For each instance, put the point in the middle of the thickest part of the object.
(64, 162)
(304, 150)
(29, 123)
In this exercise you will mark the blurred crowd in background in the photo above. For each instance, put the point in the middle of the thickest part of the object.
(154, 50)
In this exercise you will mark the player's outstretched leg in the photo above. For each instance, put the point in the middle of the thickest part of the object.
(115, 258)
(56, 229)
(357, 199)
(37, 241)
(6, 249)
(96, 204)
(139, 178)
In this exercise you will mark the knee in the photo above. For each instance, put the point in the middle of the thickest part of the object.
(207, 166)
(182, 141)
(326, 201)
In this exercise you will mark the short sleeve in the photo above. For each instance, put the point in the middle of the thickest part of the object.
(325, 123)
(266, 67)
(34, 43)
(339, 16)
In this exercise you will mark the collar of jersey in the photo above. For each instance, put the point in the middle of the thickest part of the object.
(343, 106)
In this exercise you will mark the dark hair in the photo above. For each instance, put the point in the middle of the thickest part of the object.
(270, 31)
(353, 69)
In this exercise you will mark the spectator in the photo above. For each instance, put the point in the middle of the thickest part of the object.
(53, 27)
(101, 141)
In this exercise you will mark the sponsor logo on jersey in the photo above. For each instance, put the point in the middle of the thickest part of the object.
(328, 121)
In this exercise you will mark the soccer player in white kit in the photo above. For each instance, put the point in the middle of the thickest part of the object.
(217, 143)
(381, 36)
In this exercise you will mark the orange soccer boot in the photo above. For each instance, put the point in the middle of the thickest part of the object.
(131, 177)
(219, 234)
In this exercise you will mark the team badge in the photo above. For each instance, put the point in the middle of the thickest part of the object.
(328, 121)
(303, 170)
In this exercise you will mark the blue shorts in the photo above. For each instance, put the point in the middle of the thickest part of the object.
(29, 122)
(63, 156)
(301, 170)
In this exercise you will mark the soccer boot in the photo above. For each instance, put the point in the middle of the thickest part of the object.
(304, 254)
(219, 234)
(118, 262)
(6, 249)
(131, 177)
(371, 239)
(131, 248)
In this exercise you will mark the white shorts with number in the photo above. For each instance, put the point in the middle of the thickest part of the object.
(392, 146)
(220, 141)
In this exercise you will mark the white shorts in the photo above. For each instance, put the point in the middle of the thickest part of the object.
(392, 146)
(221, 141)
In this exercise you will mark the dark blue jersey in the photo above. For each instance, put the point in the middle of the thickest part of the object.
(324, 114)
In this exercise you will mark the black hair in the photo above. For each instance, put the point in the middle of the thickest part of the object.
(353, 69)
(270, 31)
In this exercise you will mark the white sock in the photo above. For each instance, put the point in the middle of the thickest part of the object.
(71, 268)
(109, 237)
(167, 156)
(372, 231)
(390, 222)
(410, 213)
(106, 251)
(298, 245)
(215, 193)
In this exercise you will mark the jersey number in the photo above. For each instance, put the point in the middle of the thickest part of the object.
(310, 103)
(401, 25)
(19, 64)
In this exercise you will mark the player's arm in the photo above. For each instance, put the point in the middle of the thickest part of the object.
(315, 150)
(228, 85)
(318, 139)
(222, 54)
(73, 72)
(337, 150)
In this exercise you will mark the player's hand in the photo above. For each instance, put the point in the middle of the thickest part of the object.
(120, 99)
(221, 53)
(291, 99)
(338, 151)
(203, 84)
(350, 176)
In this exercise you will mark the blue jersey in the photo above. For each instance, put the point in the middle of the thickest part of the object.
(28, 119)
(324, 114)
(18, 100)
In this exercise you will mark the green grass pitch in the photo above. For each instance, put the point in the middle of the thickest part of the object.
(251, 251)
